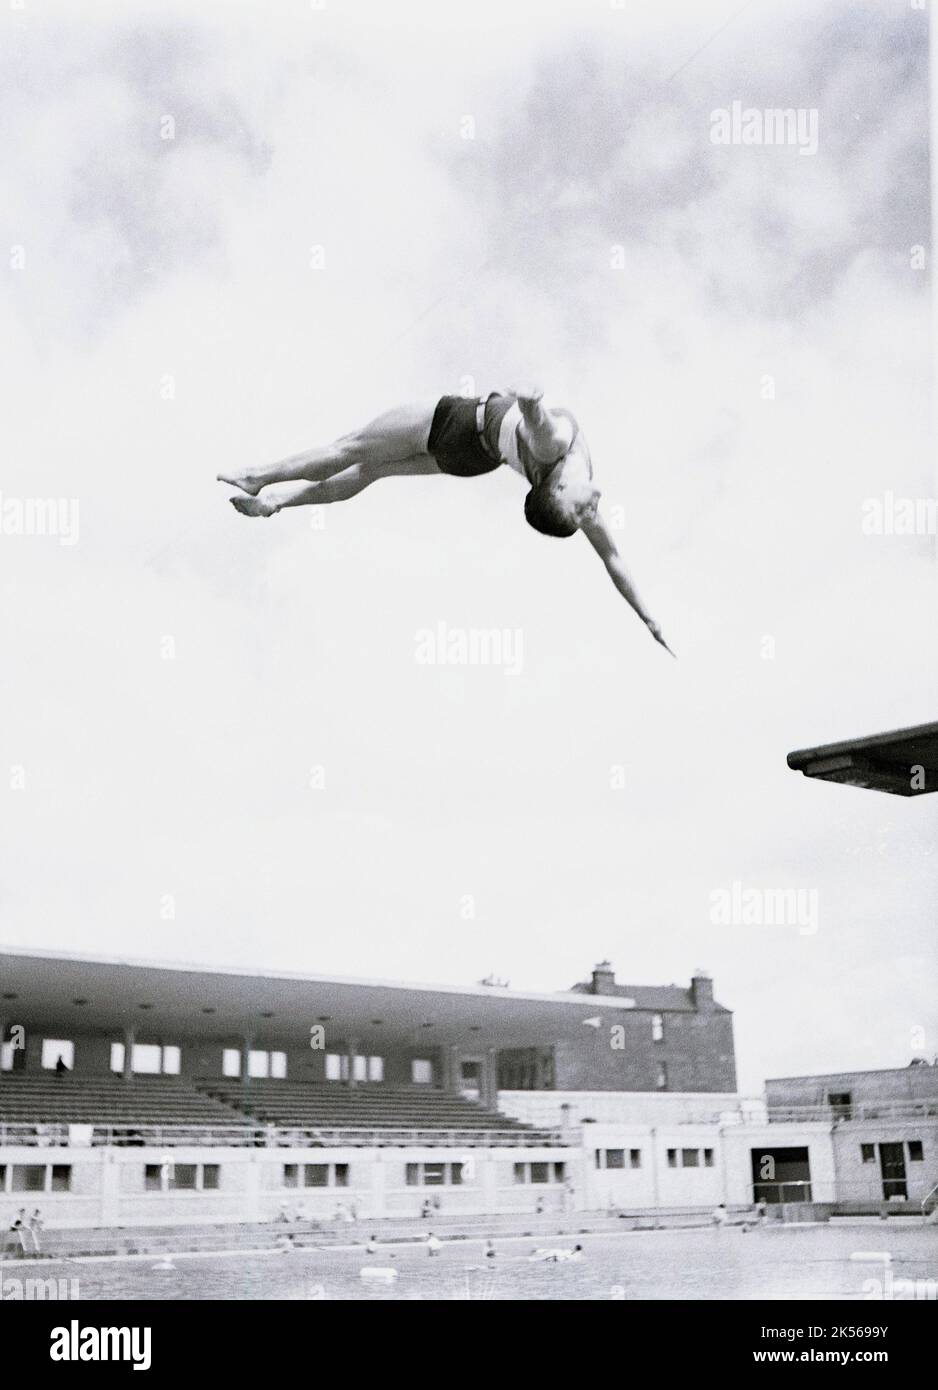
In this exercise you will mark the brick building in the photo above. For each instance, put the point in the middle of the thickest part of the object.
(672, 1039)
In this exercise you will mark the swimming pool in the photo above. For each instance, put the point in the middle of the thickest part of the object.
(811, 1262)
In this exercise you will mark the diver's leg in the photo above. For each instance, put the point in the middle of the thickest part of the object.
(339, 488)
(397, 434)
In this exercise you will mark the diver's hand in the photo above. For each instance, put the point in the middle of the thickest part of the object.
(655, 631)
(528, 392)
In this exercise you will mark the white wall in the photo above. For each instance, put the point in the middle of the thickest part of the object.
(739, 1142)
(545, 1109)
(108, 1186)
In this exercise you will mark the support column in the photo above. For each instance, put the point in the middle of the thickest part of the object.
(655, 1198)
(128, 1068)
(254, 1177)
(450, 1061)
(246, 1058)
(351, 1052)
(489, 1176)
(109, 1193)
(3, 1036)
(490, 1079)
(377, 1185)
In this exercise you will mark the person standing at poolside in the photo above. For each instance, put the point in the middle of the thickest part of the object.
(34, 1226)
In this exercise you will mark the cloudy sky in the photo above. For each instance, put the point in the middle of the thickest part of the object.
(234, 237)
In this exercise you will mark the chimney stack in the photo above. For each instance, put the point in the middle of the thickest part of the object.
(604, 979)
(701, 987)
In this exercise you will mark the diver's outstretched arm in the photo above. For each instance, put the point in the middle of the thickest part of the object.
(598, 534)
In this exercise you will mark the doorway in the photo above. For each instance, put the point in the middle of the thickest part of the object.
(892, 1168)
(470, 1077)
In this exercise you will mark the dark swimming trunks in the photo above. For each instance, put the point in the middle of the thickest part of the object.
(455, 442)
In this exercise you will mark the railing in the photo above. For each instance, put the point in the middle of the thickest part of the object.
(754, 1113)
(926, 1199)
(773, 1193)
(888, 1196)
(842, 1114)
(283, 1136)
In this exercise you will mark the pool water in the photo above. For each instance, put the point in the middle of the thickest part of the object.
(811, 1262)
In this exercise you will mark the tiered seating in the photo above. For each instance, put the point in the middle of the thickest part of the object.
(304, 1105)
(43, 1098)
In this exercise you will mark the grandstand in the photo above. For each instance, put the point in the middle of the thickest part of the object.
(138, 1094)
(364, 1107)
(47, 1098)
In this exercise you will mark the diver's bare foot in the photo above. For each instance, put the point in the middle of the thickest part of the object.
(253, 506)
(247, 482)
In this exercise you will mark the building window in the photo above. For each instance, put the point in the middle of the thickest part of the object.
(661, 1080)
(434, 1174)
(181, 1177)
(868, 1153)
(841, 1102)
(40, 1177)
(657, 1028)
(438, 1174)
(315, 1174)
(421, 1071)
(53, 1049)
(689, 1158)
(29, 1177)
(539, 1172)
(363, 1068)
(61, 1178)
(262, 1065)
(615, 1158)
(37, 1177)
(230, 1062)
(148, 1059)
(916, 1154)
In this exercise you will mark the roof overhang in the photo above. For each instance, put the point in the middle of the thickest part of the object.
(904, 762)
(70, 995)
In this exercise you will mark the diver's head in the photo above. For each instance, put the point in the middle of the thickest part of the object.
(559, 504)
